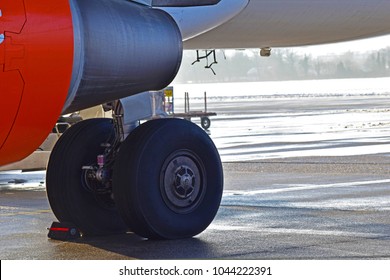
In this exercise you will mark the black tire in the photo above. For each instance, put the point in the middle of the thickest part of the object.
(70, 200)
(205, 122)
(168, 179)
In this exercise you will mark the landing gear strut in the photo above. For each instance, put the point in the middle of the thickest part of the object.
(164, 181)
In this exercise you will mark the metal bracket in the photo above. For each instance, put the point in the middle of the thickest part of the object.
(206, 56)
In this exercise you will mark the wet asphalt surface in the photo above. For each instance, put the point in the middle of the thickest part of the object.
(300, 208)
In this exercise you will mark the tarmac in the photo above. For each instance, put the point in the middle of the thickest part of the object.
(297, 208)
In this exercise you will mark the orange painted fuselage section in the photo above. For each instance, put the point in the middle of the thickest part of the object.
(36, 58)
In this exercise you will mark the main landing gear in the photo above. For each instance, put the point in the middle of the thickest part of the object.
(164, 181)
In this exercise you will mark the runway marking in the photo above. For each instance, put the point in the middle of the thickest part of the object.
(296, 231)
(303, 187)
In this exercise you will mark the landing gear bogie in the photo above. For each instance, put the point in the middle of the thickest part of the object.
(164, 181)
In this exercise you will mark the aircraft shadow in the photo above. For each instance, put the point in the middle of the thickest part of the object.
(133, 246)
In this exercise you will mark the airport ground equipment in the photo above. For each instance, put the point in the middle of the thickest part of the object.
(63, 231)
(188, 114)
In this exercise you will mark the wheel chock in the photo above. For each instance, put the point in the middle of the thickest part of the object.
(63, 231)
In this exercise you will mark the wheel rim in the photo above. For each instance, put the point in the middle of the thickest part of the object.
(182, 182)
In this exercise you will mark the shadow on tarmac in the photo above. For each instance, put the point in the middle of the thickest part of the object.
(133, 246)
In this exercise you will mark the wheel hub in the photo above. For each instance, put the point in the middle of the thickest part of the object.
(182, 182)
(97, 181)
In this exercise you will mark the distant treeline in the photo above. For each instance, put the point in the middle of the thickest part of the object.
(283, 64)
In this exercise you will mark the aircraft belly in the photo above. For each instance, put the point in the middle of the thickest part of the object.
(281, 23)
(196, 20)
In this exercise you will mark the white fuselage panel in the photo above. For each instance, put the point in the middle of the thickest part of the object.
(281, 23)
(194, 21)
